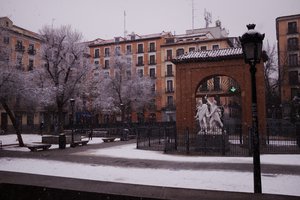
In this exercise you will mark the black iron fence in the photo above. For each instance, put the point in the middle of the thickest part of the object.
(161, 138)
(281, 137)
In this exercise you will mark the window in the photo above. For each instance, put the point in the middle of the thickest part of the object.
(152, 72)
(140, 117)
(191, 49)
(293, 60)
(140, 61)
(292, 27)
(19, 46)
(179, 52)
(140, 48)
(106, 64)
(97, 53)
(6, 40)
(128, 60)
(118, 50)
(153, 88)
(170, 86)
(128, 74)
(215, 47)
(170, 100)
(152, 60)
(169, 70)
(292, 44)
(106, 74)
(19, 62)
(128, 49)
(294, 93)
(169, 54)
(293, 77)
(30, 66)
(170, 40)
(31, 49)
(106, 52)
(140, 72)
(203, 48)
(216, 83)
(204, 86)
(152, 47)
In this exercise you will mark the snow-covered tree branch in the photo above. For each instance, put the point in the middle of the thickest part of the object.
(64, 67)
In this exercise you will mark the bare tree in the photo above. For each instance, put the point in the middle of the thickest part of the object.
(65, 66)
(15, 83)
(272, 81)
(123, 91)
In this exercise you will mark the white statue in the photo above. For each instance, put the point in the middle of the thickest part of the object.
(202, 113)
(212, 115)
(215, 114)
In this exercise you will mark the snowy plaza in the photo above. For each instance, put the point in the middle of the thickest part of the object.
(236, 180)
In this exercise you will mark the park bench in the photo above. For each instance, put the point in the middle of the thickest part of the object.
(112, 139)
(82, 143)
(35, 147)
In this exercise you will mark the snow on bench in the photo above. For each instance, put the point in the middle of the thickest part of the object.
(112, 139)
(35, 147)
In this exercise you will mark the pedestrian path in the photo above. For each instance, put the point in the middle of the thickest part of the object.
(121, 162)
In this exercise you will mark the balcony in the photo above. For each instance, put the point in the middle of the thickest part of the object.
(106, 54)
(31, 51)
(97, 56)
(152, 76)
(169, 90)
(140, 51)
(168, 58)
(152, 107)
(140, 64)
(151, 50)
(170, 107)
(152, 63)
(169, 74)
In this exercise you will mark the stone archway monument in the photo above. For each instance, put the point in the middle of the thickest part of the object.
(220, 79)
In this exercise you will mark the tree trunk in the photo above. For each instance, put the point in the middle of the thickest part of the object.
(14, 122)
(60, 117)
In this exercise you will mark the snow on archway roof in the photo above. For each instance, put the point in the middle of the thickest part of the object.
(209, 55)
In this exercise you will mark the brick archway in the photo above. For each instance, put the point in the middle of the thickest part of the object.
(192, 68)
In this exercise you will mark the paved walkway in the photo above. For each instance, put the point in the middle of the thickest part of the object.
(69, 155)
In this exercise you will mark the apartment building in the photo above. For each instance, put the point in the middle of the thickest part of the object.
(22, 46)
(288, 36)
(203, 39)
(151, 55)
(143, 54)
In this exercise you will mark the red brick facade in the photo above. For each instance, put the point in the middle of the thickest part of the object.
(189, 75)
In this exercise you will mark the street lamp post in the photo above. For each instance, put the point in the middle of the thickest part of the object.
(252, 49)
(72, 102)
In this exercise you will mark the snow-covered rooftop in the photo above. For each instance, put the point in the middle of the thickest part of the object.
(209, 55)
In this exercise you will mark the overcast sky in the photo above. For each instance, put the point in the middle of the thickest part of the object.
(105, 18)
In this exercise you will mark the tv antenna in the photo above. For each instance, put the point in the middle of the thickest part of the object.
(207, 18)
(193, 15)
(125, 31)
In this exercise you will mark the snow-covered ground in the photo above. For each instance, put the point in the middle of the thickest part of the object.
(196, 179)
